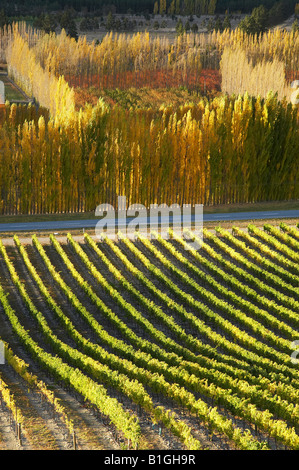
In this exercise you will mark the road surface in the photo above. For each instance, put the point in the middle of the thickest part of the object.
(89, 224)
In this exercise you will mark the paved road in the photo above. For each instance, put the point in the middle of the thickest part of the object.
(87, 224)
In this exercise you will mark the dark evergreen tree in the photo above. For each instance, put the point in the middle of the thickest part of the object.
(226, 22)
(278, 10)
(187, 26)
(257, 22)
(72, 30)
(3, 18)
(179, 27)
(194, 28)
(110, 21)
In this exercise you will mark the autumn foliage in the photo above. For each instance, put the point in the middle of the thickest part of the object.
(227, 150)
(64, 157)
(50, 91)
